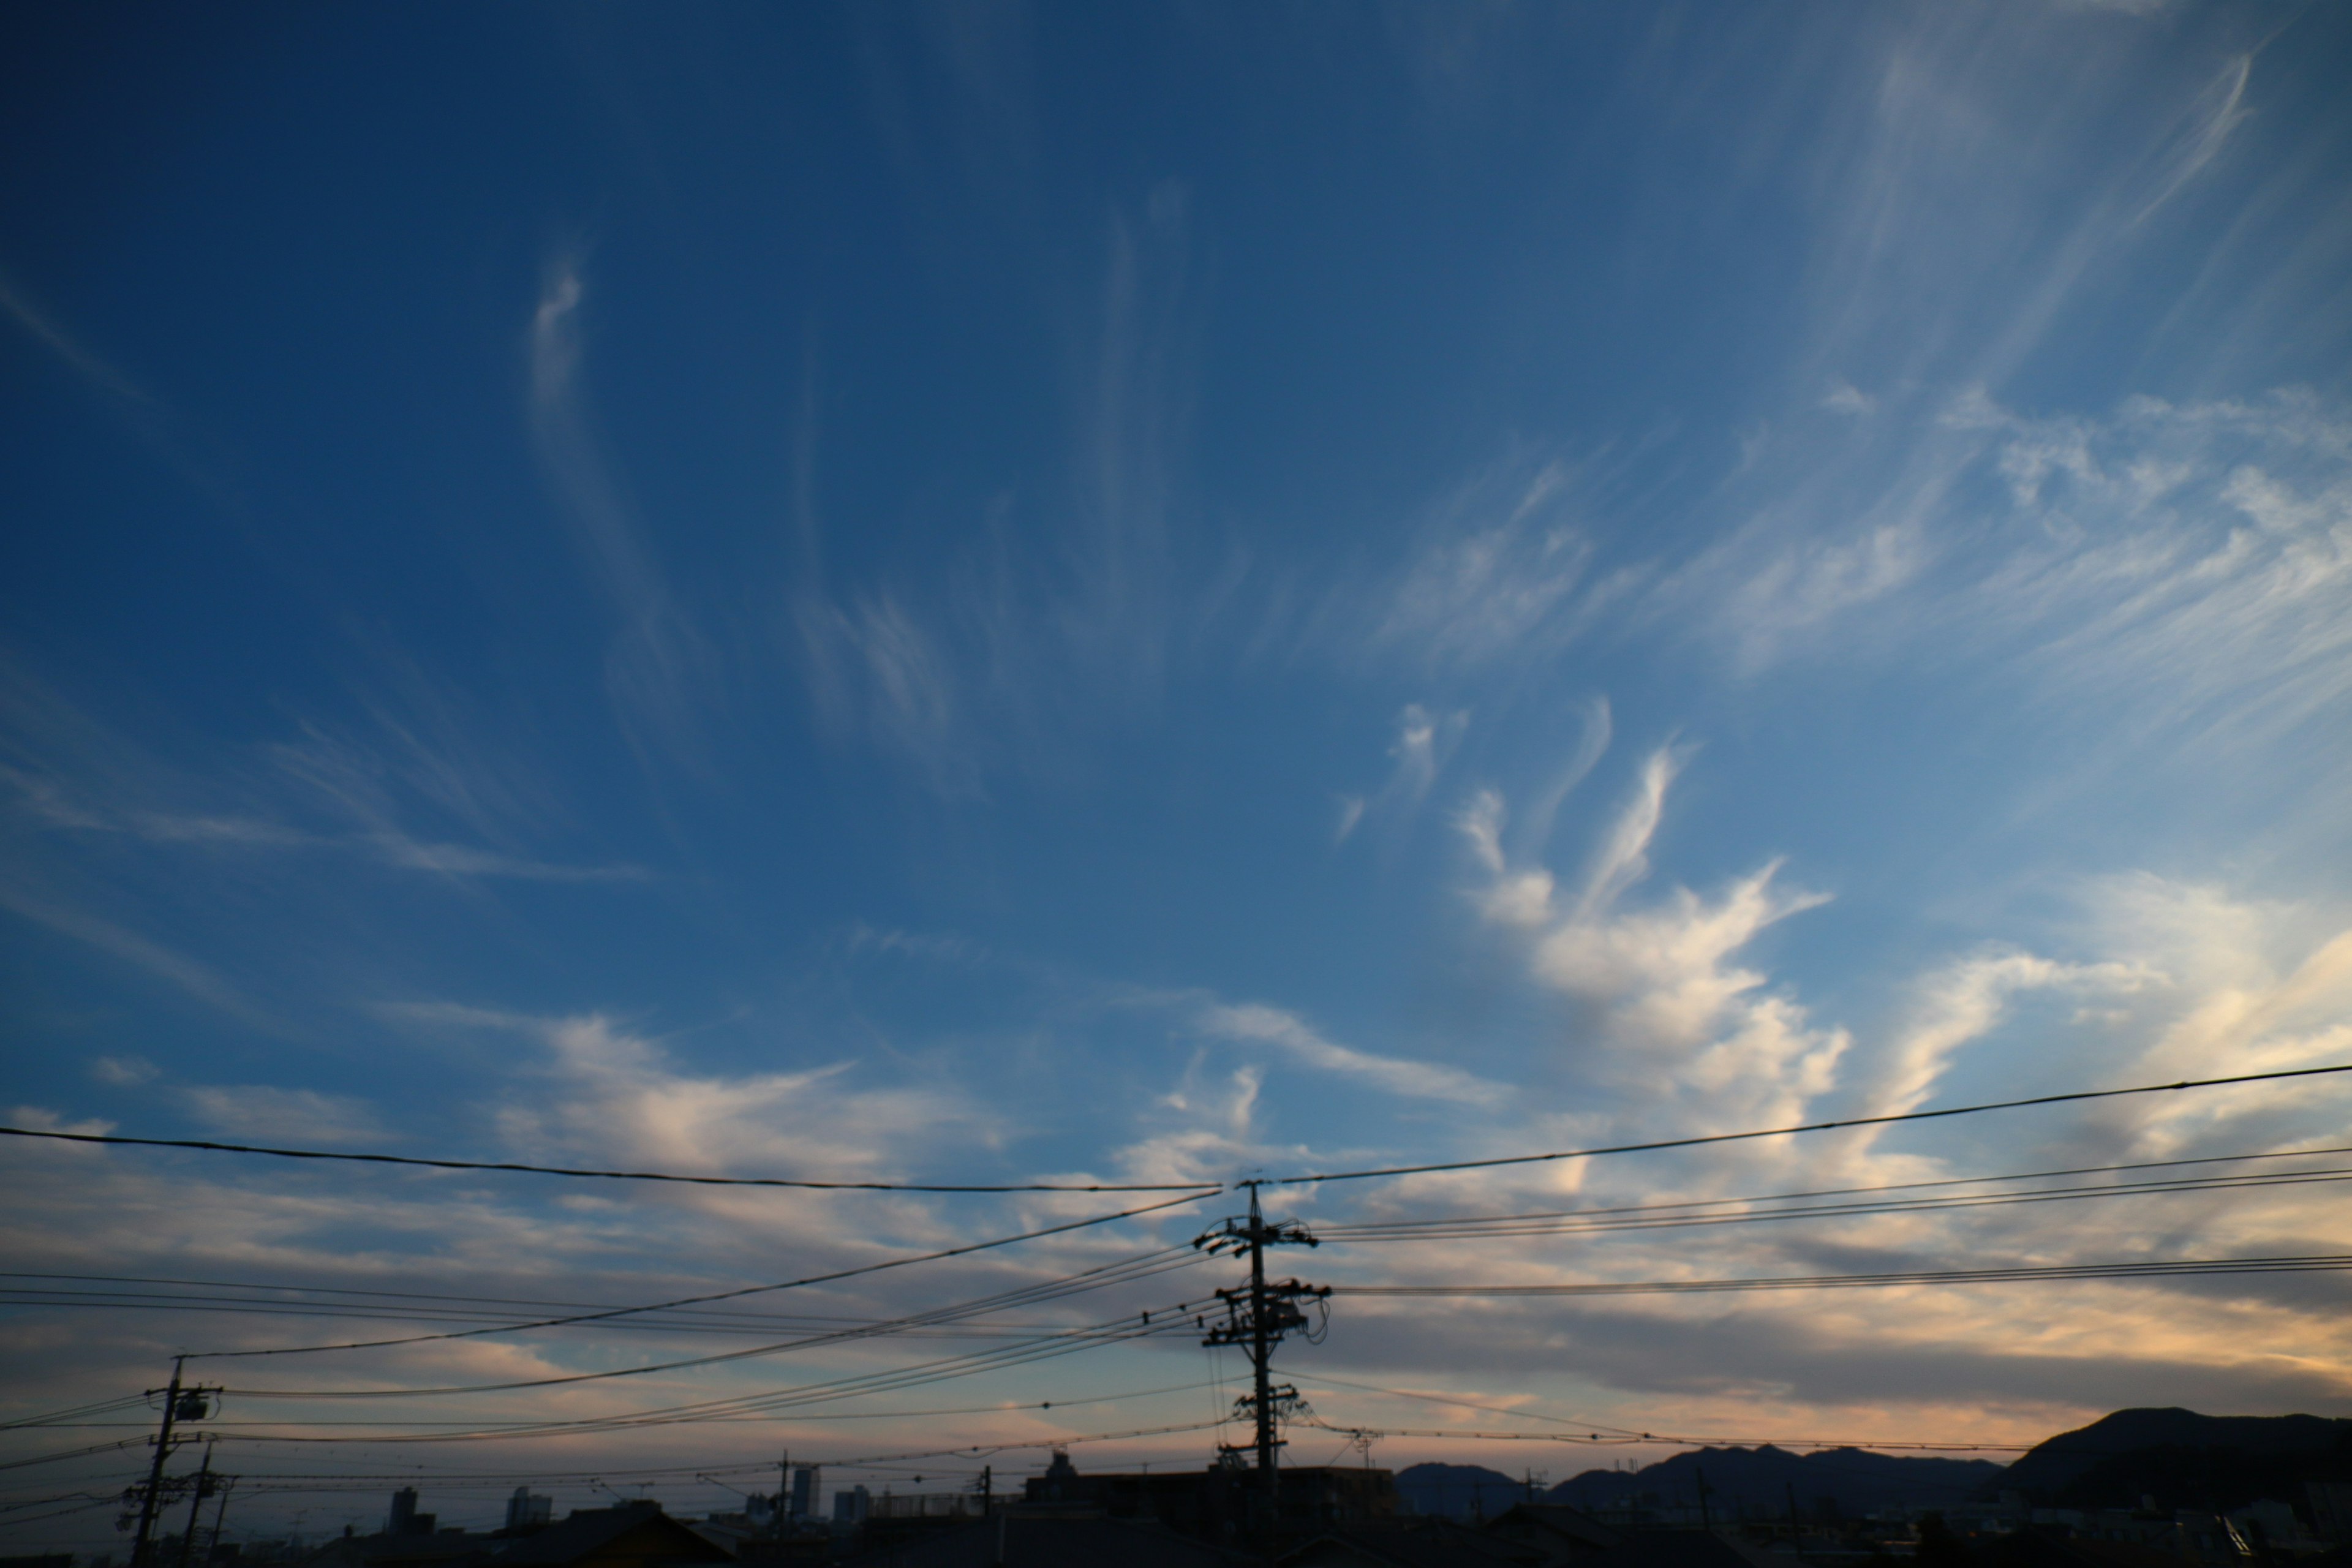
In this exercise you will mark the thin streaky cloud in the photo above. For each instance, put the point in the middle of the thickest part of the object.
(45, 330)
(1254, 1021)
(184, 973)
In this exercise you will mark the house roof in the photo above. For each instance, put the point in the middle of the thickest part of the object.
(1559, 1520)
(589, 1529)
(1411, 1543)
(1681, 1549)
(1050, 1541)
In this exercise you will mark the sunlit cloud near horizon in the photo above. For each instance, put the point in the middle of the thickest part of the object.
(1037, 600)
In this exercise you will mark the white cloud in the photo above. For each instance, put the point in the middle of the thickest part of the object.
(613, 1093)
(1418, 1080)
(123, 1072)
(2197, 557)
(1424, 743)
(1213, 1131)
(1847, 398)
(875, 666)
(41, 1119)
(196, 979)
(258, 1112)
(661, 672)
(1674, 1013)
(73, 773)
(464, 860)
(1501, 573)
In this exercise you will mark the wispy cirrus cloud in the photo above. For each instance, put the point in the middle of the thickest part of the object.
(319, 793)
(264, 1111)
(872, 664)
(1258, 1023)
(187, 974)
(662, 673)
(1425, 741)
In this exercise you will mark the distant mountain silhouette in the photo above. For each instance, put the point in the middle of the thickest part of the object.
(1854, 1480)
(1458, 1491)
(2180, 1457)
(2183, 1459)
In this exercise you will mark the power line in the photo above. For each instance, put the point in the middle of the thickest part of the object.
(1661, 1216)
(1781, 1198)
(1803, 1127)
(724, 1295)
(1605, 1433)
(1693, 1442)
(1595, 1427)
(997, 1410)
(2326, 1263)
(210, 1147)
(1141, 1265)
(872, 1461)
(72, 1454)
(96, 1407)
(1046, 1347)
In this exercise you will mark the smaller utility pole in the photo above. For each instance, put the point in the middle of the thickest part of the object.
(181, 1402)
(196, 1496)
(220, 1513)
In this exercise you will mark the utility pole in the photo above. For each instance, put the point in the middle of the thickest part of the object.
(219, 1514)
(180, 1403)
(1257, 1315)
(198, 1493)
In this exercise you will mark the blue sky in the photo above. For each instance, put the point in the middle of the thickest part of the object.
(980, 593)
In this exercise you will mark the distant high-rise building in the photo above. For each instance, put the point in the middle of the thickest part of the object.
(804, 1504)
(525, 1511)
(849, 1505)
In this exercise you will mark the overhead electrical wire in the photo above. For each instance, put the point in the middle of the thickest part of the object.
(1046, 1347)
(999, 1409)
(1602, 1432)
(392, 1307)
(504, 1478)
(236, 1307)
(1595, 1427)
(1143, 1266)
(211, 1146)
(729, 1295)
(1607, 1442)
(208, 1146)
(1692, 1212)
(71, 1454)
(876, 1461)
(96, 1407)
(2175, 1268)
(1692, 1143)
(1140, 1266)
